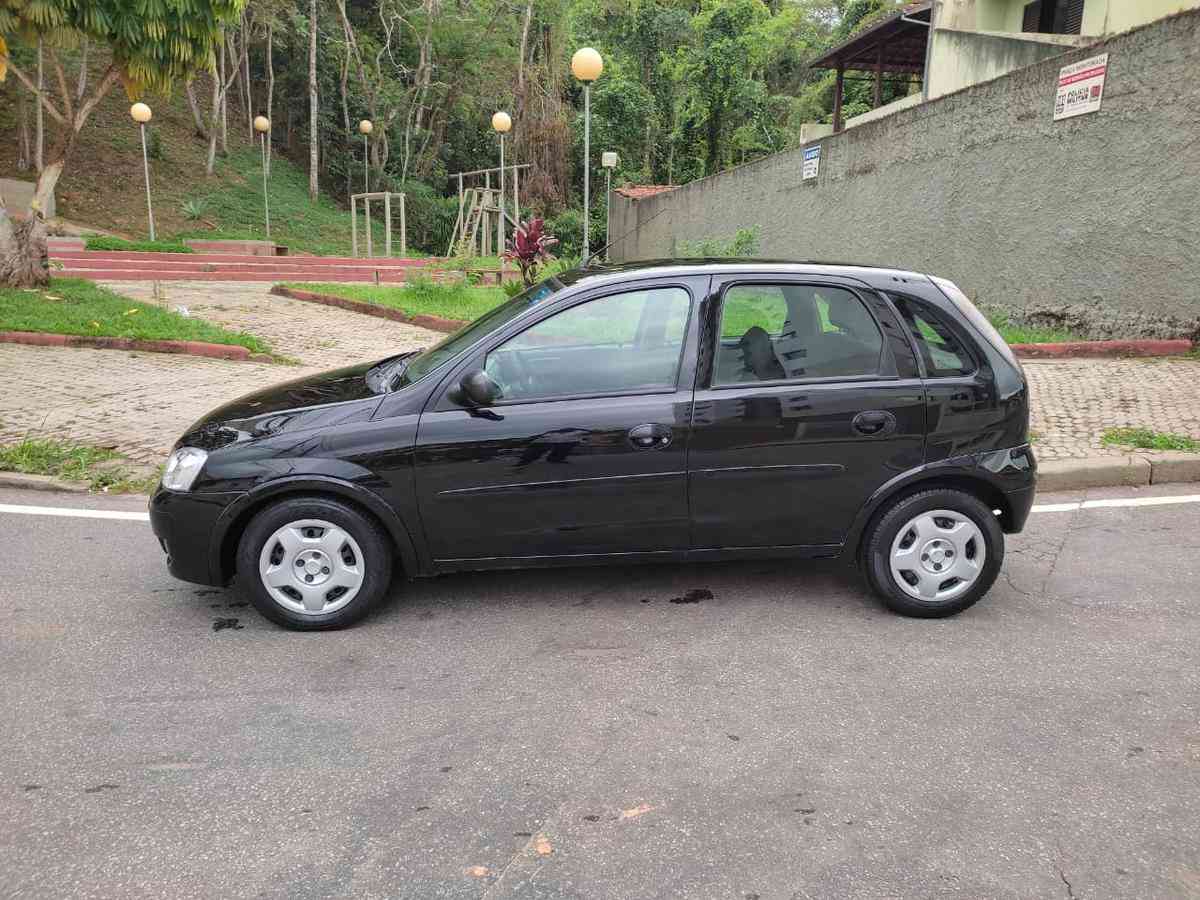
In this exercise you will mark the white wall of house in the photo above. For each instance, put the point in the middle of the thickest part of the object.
(1100, 17)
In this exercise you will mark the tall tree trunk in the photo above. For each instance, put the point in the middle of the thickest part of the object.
(81, 86)
(24, 145)
(270, 88)
(39, 157)
(197, 118)
(313, 156)
(214, 124)
(345, 78)
(246, 78)
(225, 102)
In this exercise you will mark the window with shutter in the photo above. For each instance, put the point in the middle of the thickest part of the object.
(1032, 17)
(1072, 17)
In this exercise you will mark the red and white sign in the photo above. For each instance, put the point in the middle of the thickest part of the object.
(1080, 87)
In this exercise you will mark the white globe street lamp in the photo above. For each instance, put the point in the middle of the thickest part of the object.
(502, 124)
(586, 65)
(609, 160)
(365, 128)
(141, 114)
(263, 125)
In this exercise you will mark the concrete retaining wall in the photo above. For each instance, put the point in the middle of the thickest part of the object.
(1092, 222)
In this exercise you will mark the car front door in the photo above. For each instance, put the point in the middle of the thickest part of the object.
(584, 453)
(808, 400)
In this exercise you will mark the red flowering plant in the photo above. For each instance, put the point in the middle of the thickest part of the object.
(529, 247)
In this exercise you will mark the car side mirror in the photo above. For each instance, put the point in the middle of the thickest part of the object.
(476, 389)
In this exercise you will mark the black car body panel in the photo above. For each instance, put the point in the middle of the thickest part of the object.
(759, 468)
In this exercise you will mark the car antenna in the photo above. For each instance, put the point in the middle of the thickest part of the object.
(587, 262)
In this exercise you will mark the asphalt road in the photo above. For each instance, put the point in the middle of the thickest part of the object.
(579, 734)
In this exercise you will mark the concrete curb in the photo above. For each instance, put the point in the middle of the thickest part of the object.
(1082, 349)
(1117, 471)
(433, 323)
(40, 483)
(187, 348)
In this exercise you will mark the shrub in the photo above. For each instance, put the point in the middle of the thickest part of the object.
(529, 247)
(743, 243)
(194, 210)
(429, 218)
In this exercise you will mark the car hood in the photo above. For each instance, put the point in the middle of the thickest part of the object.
(315, 401)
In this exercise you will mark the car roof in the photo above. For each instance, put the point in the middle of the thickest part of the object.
(601, 271)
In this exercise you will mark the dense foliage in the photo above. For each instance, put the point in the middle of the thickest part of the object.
(689, 87)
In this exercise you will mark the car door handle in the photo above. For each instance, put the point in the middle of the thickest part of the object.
(649, 437)
(874, 422)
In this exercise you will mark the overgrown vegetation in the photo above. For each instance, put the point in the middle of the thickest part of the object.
(1015, 333)
(104, 242)
(1148, 439)
(102, 470)
(743, 243)
(75, 306)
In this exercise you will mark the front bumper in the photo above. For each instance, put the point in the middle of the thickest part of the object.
(186, 527)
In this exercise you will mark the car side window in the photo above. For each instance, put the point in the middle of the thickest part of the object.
(624, 343)
(940, 348)
(780, 332)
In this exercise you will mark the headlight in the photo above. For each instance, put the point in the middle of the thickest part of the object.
(182, 468)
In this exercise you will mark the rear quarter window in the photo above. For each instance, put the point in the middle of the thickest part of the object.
(942, 349)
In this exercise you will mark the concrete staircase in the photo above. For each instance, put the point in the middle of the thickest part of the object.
(100, 265)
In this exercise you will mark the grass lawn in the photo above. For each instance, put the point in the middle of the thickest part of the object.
(75, 306)
(1029, 334)
(450, 301)
(233, 202)
(103, 470)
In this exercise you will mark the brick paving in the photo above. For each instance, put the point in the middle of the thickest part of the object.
(139, 403)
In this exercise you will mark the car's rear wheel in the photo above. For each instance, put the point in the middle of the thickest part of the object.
(934, 553)
(313, 563)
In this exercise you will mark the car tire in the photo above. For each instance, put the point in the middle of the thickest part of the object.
(934, 553)
(314, 563)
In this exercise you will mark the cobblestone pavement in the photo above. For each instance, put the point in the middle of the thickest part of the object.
(139, 403)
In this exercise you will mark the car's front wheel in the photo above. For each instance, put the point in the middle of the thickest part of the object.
(934, 553)
(313, 563)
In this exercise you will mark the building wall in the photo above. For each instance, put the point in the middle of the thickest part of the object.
(959, 59)
(1092, 222)
(1100, 17)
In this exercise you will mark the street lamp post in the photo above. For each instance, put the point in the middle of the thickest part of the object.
(608, 159)
(586, 65)
(140, 113)
(262, 125)
(502, 123)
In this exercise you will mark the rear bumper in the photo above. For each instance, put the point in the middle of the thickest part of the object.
(185, 525)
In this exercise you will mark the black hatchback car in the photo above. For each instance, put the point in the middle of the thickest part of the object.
(688, 410)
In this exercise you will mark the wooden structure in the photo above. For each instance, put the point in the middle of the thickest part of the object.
(895, 46)
(484, 211)
(387, 197)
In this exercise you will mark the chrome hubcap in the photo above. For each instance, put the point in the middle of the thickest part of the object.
(937, 556)
(311, 567)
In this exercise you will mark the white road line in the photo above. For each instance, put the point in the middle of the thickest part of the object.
(1112, 502)
(75, 513)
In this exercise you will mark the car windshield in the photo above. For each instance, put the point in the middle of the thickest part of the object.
(417, 367)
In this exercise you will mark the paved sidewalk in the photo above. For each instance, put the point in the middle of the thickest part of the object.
(139, 403)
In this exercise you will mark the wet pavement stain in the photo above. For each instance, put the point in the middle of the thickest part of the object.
(694, 596)
(445, 768)
(591, 818)
(422, 808)
(733, 737)
(222, 624)
(96, 789)
(31, 787)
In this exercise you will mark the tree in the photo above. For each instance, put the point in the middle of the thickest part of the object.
(153, 44)
(314, 139)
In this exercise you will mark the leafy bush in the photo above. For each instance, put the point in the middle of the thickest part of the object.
(429, 218)
(194, 210)
(567, 226)
(529, 248)
(743, 243)
(103, 242)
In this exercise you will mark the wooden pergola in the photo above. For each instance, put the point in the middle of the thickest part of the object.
(895, 45)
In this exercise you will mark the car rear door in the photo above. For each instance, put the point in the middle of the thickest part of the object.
(808, 399)
(585, 453)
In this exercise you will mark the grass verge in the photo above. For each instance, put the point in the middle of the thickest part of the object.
(1029, 334)
(102, 470)
(449, 301)
(103, 242)
(76, 306)
(1148, 439)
